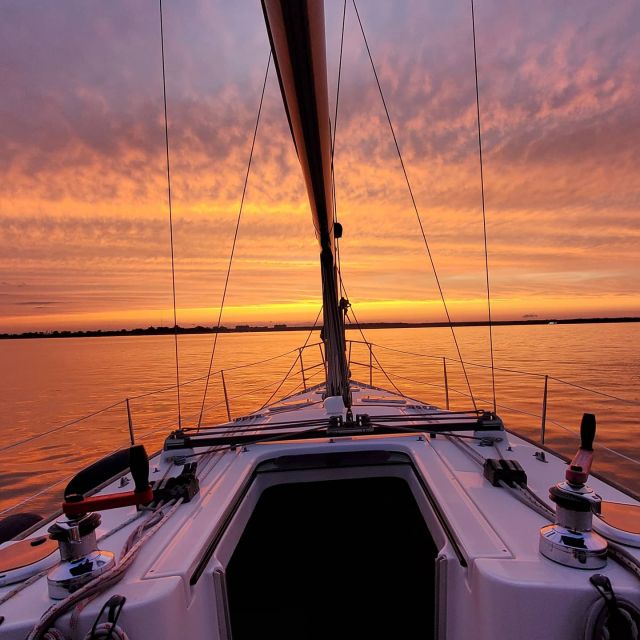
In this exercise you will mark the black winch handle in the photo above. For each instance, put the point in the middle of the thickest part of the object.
(142, 493)
(579, 468)
(139, 465)
(587, 431)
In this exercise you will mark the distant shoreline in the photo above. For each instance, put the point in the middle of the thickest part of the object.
(155, 331)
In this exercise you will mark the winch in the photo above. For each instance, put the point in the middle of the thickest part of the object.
(571, 540)
(80, 559)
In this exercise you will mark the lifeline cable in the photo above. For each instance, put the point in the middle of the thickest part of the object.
(272, 396)
(415, 206)
(484, 215)
(173, 271)
(333, 142)
(373, 355)
(235, 239)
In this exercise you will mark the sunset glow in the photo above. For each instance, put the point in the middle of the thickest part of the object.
(84, 236)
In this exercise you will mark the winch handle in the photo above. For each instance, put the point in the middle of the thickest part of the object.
(587, 431)
(579, 468)
(139, 465)
(76, 505)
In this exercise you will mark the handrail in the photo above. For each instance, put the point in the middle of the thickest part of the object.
(314, 370)
(61, 427)
(35, 495)
(373, 367)
(523, 412)
(162, 425)
(145, 395)
(506, 370)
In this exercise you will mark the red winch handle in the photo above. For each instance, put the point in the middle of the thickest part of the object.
(142, 493)
(579, 468)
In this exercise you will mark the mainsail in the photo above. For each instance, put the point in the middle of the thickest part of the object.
(297, 36)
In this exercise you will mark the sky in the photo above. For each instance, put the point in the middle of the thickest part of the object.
(84, 227)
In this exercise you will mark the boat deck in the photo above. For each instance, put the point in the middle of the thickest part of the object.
(491, 576)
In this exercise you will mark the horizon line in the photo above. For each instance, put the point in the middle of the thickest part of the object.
(258, 328)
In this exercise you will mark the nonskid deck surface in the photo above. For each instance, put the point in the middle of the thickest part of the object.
(489, 563)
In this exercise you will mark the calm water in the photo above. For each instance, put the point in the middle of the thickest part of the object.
(47, 383)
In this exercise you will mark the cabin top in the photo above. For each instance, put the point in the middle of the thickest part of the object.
(483, 530)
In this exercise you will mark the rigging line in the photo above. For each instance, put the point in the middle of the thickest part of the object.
(333, 140)
(599, 393)
(480, 365)
(415, 206)
(213, 374)
(374, 356)
(209, 406)
(243, 394)
(293, 393)
(235, 238)
(15, 505)
(173, 271)
(272, 396)
(484, 215)
(60, 427)
(509, 370)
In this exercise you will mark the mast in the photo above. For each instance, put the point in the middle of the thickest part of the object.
(296, 33)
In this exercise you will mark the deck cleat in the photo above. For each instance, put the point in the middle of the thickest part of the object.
(571, 540)
(81, 560)
(489, 425)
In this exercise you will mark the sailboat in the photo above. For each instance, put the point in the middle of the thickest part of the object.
(345, 510)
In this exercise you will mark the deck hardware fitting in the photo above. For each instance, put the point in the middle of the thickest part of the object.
(81, 560)
(226, 397)
(184, 486)
(570, 541)
(446, 384)
(543, 417)
(614, 617)
(114, 605)
(501, 470)
(359, 425)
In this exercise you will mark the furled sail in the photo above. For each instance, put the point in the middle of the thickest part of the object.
(297, 36)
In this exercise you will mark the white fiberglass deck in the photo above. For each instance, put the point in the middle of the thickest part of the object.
(490, 579)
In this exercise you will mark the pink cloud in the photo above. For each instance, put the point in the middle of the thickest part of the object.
(83, 197)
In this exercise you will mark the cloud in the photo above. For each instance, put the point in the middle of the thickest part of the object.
(83, 201)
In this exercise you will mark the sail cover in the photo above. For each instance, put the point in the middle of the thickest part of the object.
(296, 32)
(297, 36)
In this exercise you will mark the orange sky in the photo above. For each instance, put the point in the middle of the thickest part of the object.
(84, 239)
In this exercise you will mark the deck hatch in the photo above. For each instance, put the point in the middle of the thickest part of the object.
(333, 460)
(366, 536)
